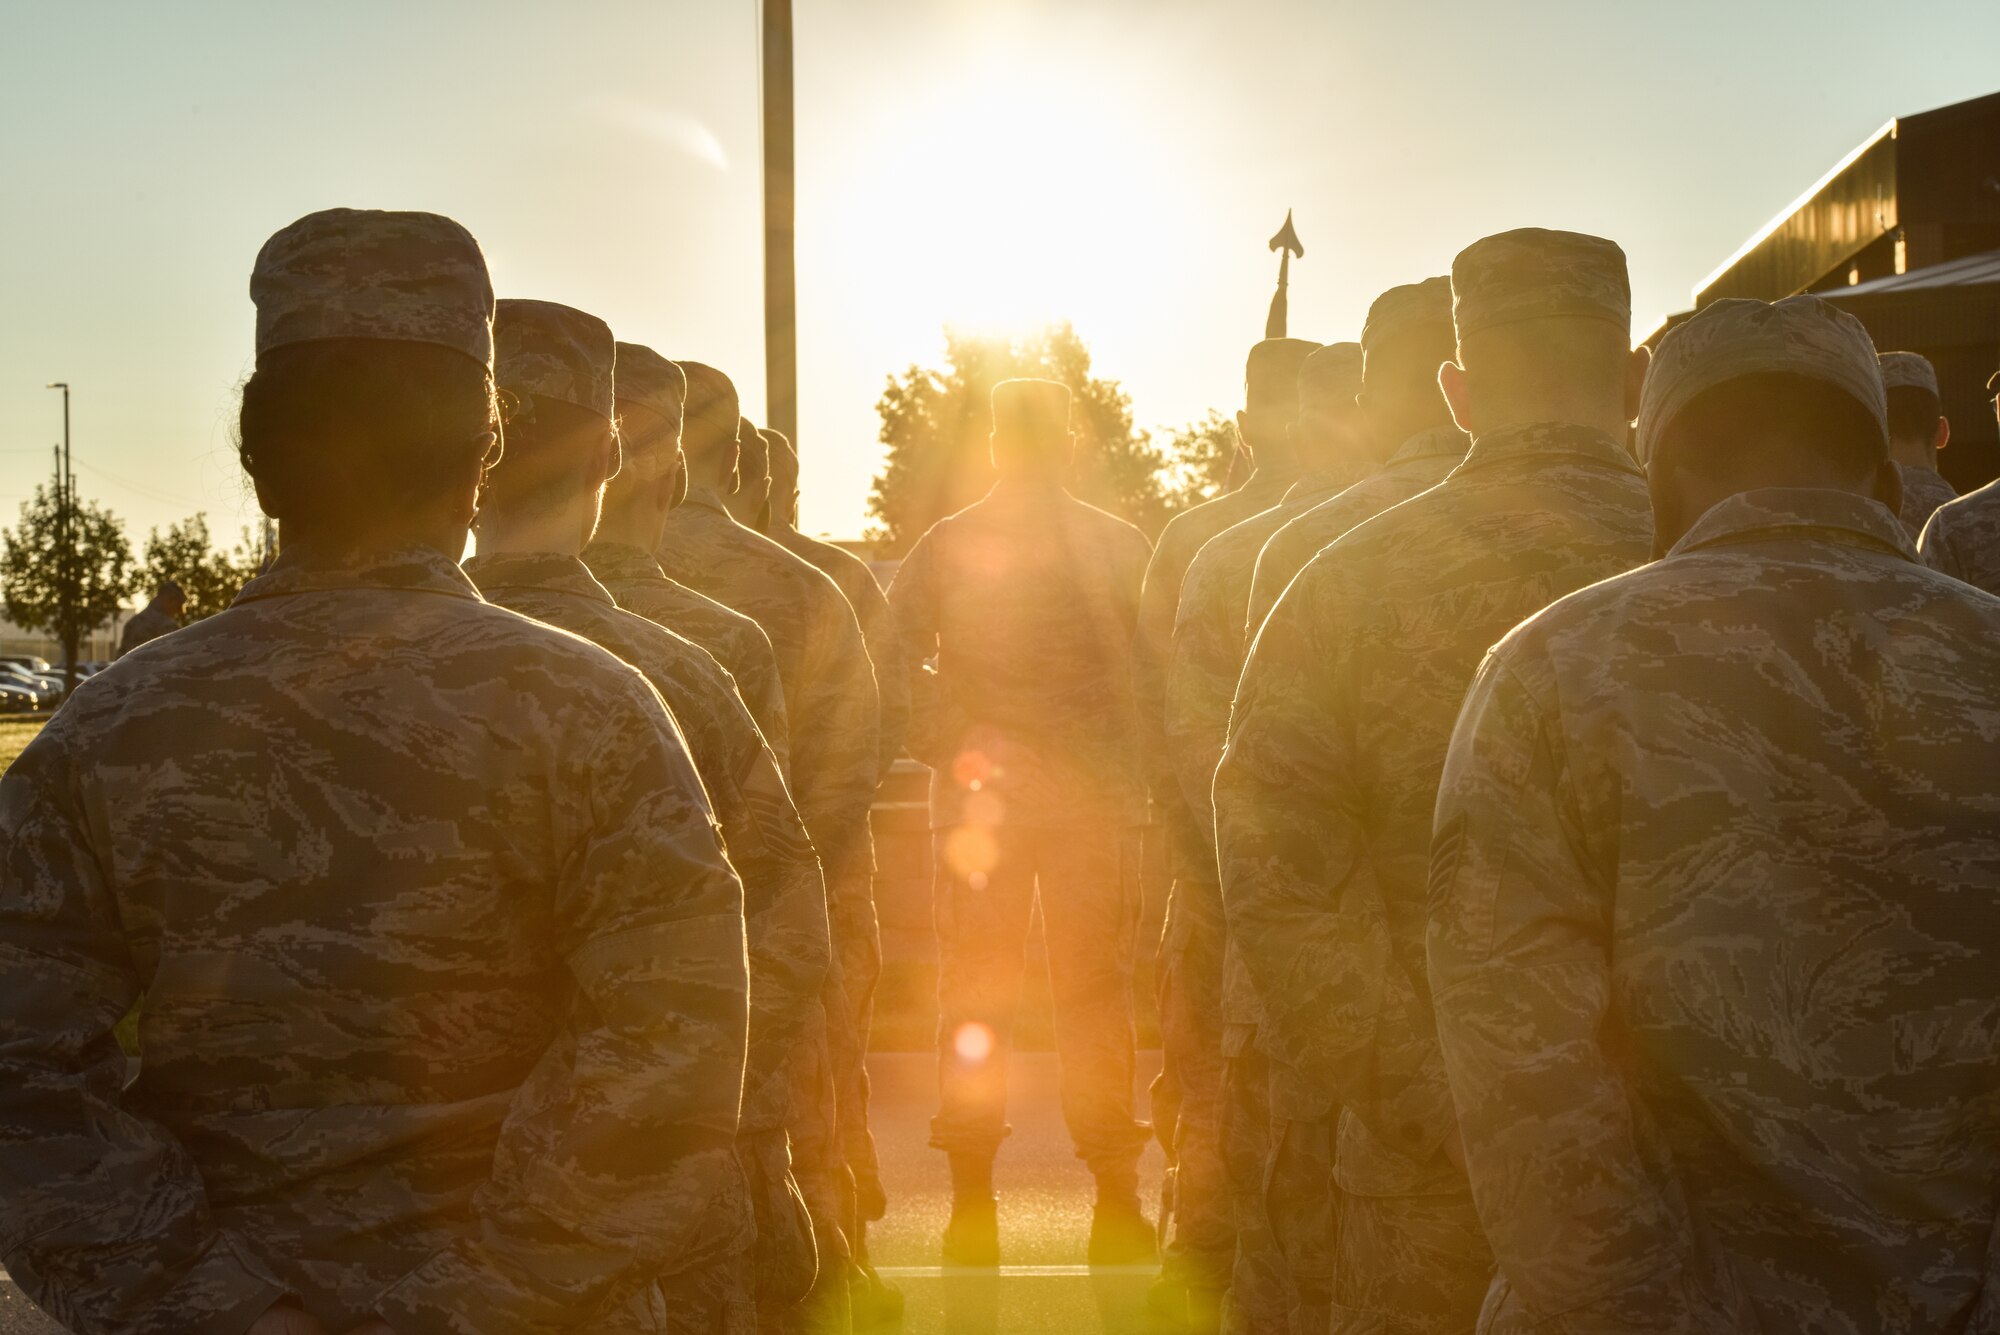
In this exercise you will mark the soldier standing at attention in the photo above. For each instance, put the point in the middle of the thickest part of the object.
(1029, 598)
(651, 396)
(1714, 888)
(1406, 337)
(161, 616)
(442, 963)
(1963, 536)
(1917, 431)
(539, 509)
(1187, 1097)
(856, 580)
(1324, 795)
(831, 702)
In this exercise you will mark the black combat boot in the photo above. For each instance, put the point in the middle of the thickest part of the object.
(972, 1237)
(1120, 1233)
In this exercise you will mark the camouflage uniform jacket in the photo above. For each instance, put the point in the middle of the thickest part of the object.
(635, 579)
(1324, 796)
(1029, 598)
(441, 960)
(1962, 538)
(784, 897)
(1715, 897)
(1924, 490)
(1419, 463)
(823, 665)
(878, 627)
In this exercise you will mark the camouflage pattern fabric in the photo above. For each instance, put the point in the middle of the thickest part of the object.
(1962, 538)
(441, 960)
(1714, 891)
(1198, 1225)
(149, 623)
(1924, 491)
(1086, 881)
(1029, 599)
(1533, 273)
(546, 350)
(1324, 794)
(635, 579)
(367, 273)
(1299, 1199)
(784, 898)
(1260, 1300)
(831, 700)
(1907, 370)
(1419, 463)
(878, 627)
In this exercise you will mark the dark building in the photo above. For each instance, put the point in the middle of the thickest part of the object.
(1905, 233)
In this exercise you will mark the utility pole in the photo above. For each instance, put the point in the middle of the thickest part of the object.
(781, 313)
(66, 558)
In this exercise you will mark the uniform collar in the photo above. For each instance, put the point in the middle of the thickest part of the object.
(412, 569)
(621, 560)
(1436, 442)
(1319, 483)
(552, 572)
(706, 498)
(1546, 440)
(1816, 512)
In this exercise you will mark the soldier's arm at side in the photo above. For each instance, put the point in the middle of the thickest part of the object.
(1201, 679)
(913, 603)
(892, 682)
(1936, 546)
(763, 691)
(622, 1137)
(1303, 904)
(105, 1219)
(1519, 950)
(1152, 646)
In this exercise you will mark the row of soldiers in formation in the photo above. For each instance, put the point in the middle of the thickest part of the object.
(1558, 939)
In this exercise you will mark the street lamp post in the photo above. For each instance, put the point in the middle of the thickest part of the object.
(66, 541)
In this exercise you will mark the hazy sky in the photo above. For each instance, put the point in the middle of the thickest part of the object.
(1118, 163)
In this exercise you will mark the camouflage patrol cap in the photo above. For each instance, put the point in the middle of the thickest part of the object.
(1329, 378)
(648, 380)
(784, 460)
(712, 406)
(1908, 370)
(1400, 308)
(1735, 337)
(1031, 407)
(1271, 375)
(545, 350)
(754, 452)
(372, 273)
(1532, 273)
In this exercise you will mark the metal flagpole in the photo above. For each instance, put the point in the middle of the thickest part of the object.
(781, 351)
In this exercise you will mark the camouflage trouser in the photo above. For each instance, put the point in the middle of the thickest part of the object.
(1259, 1301)
(1299, 1196)
(1408, 1265)
(858, 940)
(709, 1300)
(818, 1168)
(1198, 1225)
(1086, 880)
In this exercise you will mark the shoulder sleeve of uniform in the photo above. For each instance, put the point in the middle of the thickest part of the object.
(105, 1220)
(620, 1144)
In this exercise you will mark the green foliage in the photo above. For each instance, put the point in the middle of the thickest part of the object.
(935, 422)
(1199, 461)
(64, 590)
(209, 576)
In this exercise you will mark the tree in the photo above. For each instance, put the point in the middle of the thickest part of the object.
(66, 589)
(935, 423)
(208, 576)
(1199, 459)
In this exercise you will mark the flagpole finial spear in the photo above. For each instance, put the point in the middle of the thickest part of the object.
(1287, 243)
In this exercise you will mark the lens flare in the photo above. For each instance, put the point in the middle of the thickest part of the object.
(973, 1042)
(971, 850)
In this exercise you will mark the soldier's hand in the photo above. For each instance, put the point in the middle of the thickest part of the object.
(286, 1319)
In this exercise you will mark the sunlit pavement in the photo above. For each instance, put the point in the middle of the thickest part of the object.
(1045, 1195)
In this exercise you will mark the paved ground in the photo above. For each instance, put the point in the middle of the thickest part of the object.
(1044, 1288)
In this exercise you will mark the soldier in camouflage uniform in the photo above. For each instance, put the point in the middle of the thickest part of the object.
(442, 965)
(830, 699)
(1714, 896)
(1407, 335)
(1029, 599)
(161, 616)
(1917, 431)
(1207, 657)
(651, 395)
(1188, 1096)
(856, 580)
(1324, 795)
(1962, 537)
(539, 509)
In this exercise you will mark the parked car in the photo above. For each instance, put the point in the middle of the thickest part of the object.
(17, 698)
(48, 690)
(32, 662)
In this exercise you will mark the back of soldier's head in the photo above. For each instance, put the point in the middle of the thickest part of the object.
(1916, 410)
(1271, 388)
(1031, 431)
(370, 398)
(1749, 393)
(784, 463)
(753, 452)
(1329, 381)
(557, 366)
(651, 399)
(1407, 336)
(709, 427)
(1544, 326)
